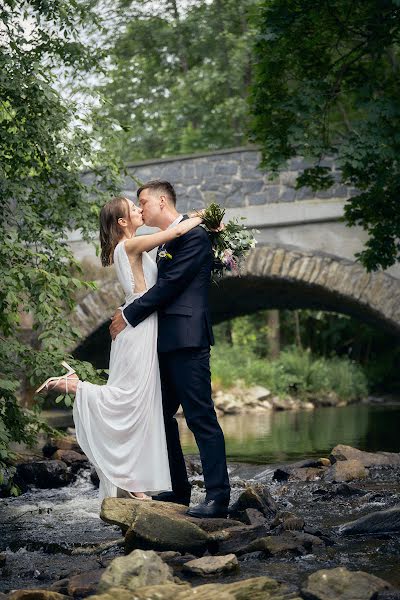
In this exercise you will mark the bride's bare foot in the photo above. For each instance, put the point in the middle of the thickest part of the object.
(64, 386)
(139, 495)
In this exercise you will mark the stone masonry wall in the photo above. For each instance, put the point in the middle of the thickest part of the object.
(230, 177)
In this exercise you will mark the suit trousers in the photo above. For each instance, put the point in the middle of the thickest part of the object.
(186, 380)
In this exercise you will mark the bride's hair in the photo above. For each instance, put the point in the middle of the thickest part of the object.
(110, 232)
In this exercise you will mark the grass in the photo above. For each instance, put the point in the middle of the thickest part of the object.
(295, 372)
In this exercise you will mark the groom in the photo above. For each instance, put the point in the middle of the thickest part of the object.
(180, 297)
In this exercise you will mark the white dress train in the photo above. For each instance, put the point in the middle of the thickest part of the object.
(120, 425)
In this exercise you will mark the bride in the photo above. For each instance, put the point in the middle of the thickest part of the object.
(120, 426)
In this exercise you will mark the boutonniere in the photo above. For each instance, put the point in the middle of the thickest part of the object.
(164, 254)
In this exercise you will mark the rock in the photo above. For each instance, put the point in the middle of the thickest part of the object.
(387, 595)
(152, 530)
(60, 586)
(165, 591)
(169, 555)
(212, 565)
(70, 457)
(94, 478)
(3, 559)
(258, 393)
(382, 521)
(234, 540)
(37, 594)
(84, 584)
(44, 473)
(347, 470)
(290, 542)
(299, 473)
(122, 511)
(257, 588)
(254, 496)
(252, 516)
(368, 459)
(288, 521)
(136, 570)
(67, 442)
(341, 584)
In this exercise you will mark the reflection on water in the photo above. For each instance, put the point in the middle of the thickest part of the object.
(272, 437)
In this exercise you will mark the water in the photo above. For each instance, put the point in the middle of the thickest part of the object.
(42, 530)
(275, 437)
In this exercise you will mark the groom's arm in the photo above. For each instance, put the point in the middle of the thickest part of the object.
(184, 265)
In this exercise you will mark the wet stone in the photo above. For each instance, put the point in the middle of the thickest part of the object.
(84, 584)
(212, 565)
(342, 584)
(44, 474)
(382, 521)
(136, 570)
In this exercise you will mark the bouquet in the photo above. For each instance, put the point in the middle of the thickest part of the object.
(230, 243)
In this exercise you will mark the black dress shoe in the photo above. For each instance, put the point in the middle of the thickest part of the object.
(208, 510)
(172, 497)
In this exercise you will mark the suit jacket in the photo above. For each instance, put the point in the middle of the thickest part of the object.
(180, 295)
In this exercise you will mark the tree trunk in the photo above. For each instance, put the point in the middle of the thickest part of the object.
(273, 334)
(297, 329)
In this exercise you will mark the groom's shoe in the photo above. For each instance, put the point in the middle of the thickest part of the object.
(172, 497)
(209, 509)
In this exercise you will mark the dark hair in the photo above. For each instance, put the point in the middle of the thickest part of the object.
(157, 185)
(110, 233)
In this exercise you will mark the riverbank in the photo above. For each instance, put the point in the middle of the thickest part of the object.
(286, 532)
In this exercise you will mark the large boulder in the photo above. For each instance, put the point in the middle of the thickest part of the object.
(381, 521)
(162, 532)
(368, 459)
(123, 511)
(341, 584)
(44, 474)
(136, 570)
(346, 470)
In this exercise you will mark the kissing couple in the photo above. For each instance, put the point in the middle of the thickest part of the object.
(159, 361)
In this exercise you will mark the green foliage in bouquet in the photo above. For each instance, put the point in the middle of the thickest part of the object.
(230, 243)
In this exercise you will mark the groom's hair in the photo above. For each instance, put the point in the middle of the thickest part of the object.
(162, 187)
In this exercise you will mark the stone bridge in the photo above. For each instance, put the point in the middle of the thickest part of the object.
(305, 257)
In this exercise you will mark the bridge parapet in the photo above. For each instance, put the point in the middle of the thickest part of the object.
(230, 177)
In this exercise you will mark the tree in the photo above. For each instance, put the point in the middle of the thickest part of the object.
(326, 84)
(45, 142)
(179, 79)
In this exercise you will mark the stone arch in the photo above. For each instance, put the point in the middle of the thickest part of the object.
(287, 277)
(277, 277)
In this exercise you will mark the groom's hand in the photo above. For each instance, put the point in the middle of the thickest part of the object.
(117, 324)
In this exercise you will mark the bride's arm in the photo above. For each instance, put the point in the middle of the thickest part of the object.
(145, 243)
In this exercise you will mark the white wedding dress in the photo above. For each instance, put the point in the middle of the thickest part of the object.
(120, 425)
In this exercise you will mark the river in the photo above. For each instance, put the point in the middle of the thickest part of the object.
(274, 437)
(43, 530)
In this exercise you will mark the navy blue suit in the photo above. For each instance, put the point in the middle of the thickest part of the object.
(180, 297)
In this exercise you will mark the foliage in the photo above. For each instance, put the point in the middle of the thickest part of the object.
(326, 83)
(231, 243)
(295, 372)
(179, 79)
(46, 140)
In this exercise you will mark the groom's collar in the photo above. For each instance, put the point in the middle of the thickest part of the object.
(177, 220)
